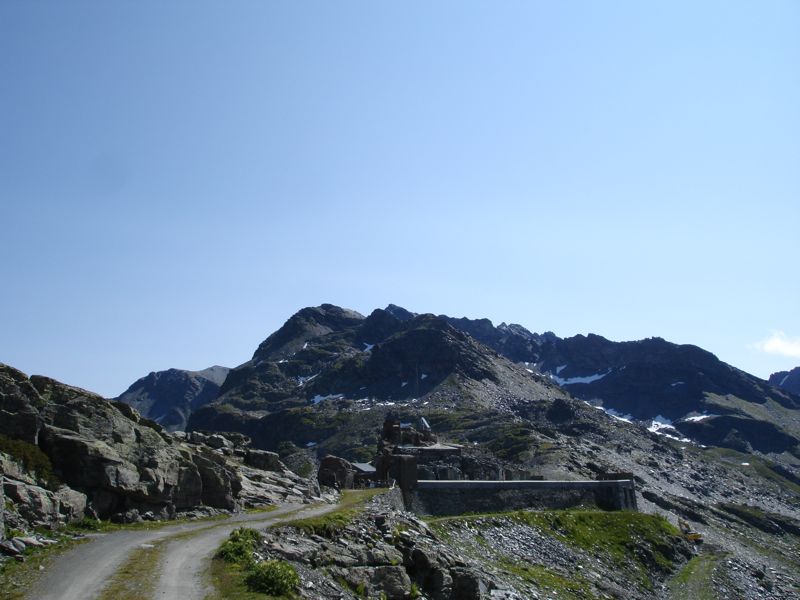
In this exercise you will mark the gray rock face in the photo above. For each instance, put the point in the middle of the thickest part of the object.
(108, 452)
(34, 503)
(261, 459)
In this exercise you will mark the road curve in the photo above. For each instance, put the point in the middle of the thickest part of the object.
(186, 560)
(83, 572)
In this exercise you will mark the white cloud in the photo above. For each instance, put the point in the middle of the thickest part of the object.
(780, 343)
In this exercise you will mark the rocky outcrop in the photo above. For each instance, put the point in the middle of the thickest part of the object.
(114, 461)
(381, 554)
(34, 503)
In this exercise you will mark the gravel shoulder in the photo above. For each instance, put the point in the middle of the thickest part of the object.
(82, 572)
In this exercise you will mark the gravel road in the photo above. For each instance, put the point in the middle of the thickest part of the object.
(82, 572)
(186, 560)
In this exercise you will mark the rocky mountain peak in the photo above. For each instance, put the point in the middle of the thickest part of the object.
(168, 397)
(399, 312)
(304, 325)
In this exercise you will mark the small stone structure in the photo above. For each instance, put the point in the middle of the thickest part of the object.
(460, 484)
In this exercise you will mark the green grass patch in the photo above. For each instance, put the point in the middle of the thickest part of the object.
(630, 541)
(136, 578)
(694, 580)
(237, 576)
(266, 508)
(272, 577)
(229, 583)
(329, 525)
(626, 537)
(568, 588)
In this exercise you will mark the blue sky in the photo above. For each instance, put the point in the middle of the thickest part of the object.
(178, 178)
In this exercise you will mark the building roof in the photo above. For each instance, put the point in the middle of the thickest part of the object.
(364, 467)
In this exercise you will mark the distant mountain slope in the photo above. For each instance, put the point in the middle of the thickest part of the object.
(327, 363)
(329, 376)
(168, 397)
(676, 388)
(787, 380)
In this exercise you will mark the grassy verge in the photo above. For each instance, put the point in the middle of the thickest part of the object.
(229, 583)
(330, 524)
(88, 525)
(262, 509)
(236, 574)
(568, 588)
(17, 577)
(136, 578)
(694, 580)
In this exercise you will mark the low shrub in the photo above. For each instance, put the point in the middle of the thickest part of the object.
(239, 547)
(274, 577)
(32, 458)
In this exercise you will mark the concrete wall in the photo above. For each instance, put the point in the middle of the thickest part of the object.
(459, 497)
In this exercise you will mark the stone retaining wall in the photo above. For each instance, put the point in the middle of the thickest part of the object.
(460, 497)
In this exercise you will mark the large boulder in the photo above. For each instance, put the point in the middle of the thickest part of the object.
(262, 459)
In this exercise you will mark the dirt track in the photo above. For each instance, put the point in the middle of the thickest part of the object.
(84, 571)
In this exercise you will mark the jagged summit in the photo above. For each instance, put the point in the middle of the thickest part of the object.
(327, 354)
(304, 325)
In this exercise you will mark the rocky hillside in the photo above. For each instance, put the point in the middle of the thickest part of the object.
(329, 353)
(168, 397)
(382, 551)
(677, 389)
(787, 380)
(66, 453)
(327, 378)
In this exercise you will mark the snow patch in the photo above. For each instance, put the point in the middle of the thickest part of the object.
(317, 399)
(310, 444)
(658, 423)
(618, 415)
(301, 381)
(677, 383)
(745, 464)
(663, 426)
(305, 345)
(697, 418)
(368, 347)
(529, 370)
(574, 380)
(783, 380)
(423, 376)
(403, 383)
(559, 369)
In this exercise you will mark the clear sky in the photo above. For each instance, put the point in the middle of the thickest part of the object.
(178, 178)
